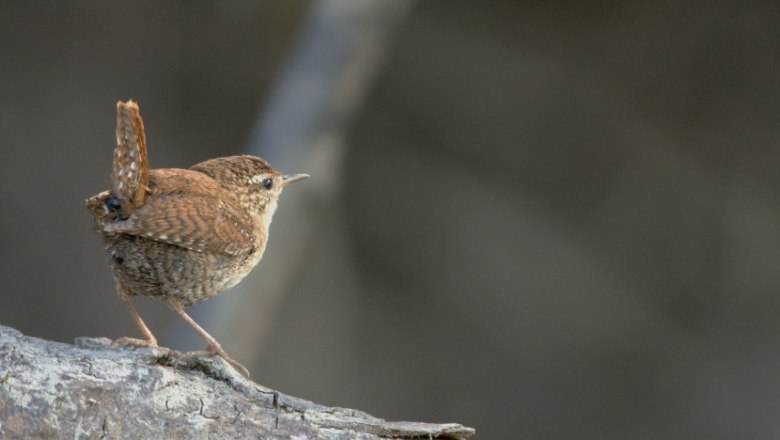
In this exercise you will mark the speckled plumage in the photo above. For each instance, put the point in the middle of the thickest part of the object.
(191, 239)
(182, 235)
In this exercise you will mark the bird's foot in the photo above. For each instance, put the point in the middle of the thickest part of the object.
(211, 351)
(135, 342)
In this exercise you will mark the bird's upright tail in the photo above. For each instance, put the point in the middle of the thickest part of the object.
(130, 175)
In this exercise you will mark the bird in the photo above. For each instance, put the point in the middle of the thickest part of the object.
(182, 235)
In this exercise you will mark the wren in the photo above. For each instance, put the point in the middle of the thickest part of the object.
(182, 235)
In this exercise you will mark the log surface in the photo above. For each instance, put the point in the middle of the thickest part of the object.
(93, 390)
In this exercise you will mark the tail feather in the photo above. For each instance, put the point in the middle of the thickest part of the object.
(130, 175)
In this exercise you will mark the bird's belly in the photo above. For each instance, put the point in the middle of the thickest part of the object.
(151, 268)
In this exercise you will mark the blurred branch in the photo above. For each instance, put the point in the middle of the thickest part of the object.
(310, 109)
(54, 390)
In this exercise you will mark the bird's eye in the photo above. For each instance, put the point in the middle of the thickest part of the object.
(267, 183)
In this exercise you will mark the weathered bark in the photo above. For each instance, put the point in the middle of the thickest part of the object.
(92, 390)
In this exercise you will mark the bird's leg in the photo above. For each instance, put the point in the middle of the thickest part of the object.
(213, 347)
(149, 339)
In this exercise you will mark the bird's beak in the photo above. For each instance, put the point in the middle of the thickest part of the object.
(286, 180)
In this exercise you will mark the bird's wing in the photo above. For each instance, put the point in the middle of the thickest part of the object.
(190, 221)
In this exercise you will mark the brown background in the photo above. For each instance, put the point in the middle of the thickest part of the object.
(556, 221)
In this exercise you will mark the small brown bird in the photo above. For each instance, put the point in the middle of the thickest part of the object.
(180, 235)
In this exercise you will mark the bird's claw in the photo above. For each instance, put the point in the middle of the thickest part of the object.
(135, 342)
(214, 351)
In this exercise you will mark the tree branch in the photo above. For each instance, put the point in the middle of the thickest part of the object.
(92, 390)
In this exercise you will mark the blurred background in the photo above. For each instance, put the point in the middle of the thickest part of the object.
(543, 220)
